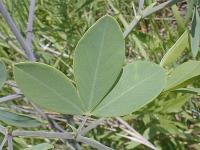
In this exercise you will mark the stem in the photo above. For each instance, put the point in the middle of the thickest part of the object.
(93, 143)
(116, 11)
(16, 32)
(10, 142)
(131, 26)
(65, 135)
(141, 5)
(43, 134)
(81, 126)
(91, 126)
(3, 142)
(29, 35)
(10, 97)
(145, 13)
(137, 137)
(3, 130)
(148, 12)
(52, 51)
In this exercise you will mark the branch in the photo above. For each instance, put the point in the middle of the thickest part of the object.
(91, 126)
(3, 130)
(14, 29)
(10, 97)
(93, 143)
(64, 135)
(10, 142)
(141, 5)
(81, 126)
(29, 35)
(3, 142)
(116, 11)
(150, 11)
(43, 134)
(145, 13)
(137, 137)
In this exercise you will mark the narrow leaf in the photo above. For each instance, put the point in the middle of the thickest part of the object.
(183, 73)
(179, 19)
(43, 146)
(47, 87)
(195, 33)
(98, 60)
(3, 74)
(18, 120)
(140, 83)
(176, 50)
(189, 90)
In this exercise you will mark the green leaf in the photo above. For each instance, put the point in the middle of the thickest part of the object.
(3, 74)
(179, 19)
(99, 57)
(188, 90)
(183, 73)
(190, 6)
(47, 87)
(174, 105)
(168, 125)
(43, 146)
(18, 120)
(140, 83)
(176, 50)
(195, 32)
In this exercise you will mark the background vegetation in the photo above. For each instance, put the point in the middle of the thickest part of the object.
(170, 122)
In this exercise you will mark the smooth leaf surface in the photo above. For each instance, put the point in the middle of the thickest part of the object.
(18, 120)
(195, 32)
(183, 73)
(98, 60)
(3, 74)
(43, 146)
(176, 50)
(47, 87)
(140, 83)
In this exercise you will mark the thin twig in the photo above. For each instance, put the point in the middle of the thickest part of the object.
(64, 135)
(29, 35)
(130, 138)
(3, 142)
(135, 135)
(52, 51)
(81, 126)
(141, 5)
(10, 97)
(150, 11)
(131, 25)
(10, 142)
(3, 130)
(93, 143)
(43, 134)
(145, 13)
(91, 126)
(116, 11)
(16, 32)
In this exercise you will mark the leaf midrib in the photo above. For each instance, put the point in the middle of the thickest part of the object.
(96, 69)
(52, 90)
(131, 88)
